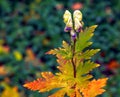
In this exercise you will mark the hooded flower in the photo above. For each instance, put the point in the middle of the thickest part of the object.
(68, 21)
(77, 17)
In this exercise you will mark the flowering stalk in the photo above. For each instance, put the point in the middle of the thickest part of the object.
(74, 78)
(73, 28)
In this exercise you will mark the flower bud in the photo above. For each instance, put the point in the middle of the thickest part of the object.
(73, 35)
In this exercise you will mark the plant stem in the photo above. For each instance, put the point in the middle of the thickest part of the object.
(73, 63)
(72, 60)
(74, 66)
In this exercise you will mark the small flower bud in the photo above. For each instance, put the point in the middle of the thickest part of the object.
(73, 35)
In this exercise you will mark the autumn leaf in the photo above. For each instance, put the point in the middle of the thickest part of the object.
(94, 88)
(46, 83)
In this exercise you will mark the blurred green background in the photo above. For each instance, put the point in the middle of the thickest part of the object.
(29, 28)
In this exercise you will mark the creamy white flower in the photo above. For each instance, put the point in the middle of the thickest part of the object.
(77, 17)
(67, 15)
(68, 20)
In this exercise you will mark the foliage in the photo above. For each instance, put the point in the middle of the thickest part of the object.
(74, 78)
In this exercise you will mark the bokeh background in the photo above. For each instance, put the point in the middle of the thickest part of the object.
(29, 28)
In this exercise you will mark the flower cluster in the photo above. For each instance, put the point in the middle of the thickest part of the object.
(73, 25)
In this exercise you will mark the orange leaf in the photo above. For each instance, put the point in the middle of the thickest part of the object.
(35, 85)
(48, 82)
(41, 82)
(94, 88)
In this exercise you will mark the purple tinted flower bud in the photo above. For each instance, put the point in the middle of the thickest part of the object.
(73, 35)
(67, 29)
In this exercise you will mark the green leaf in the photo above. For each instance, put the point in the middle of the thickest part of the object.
(64, 51)
(87, 54)
(66, 69)
(84, 68)
(84, 37)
